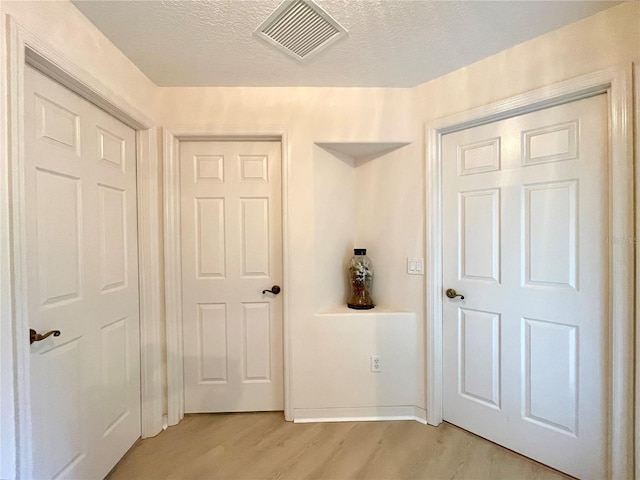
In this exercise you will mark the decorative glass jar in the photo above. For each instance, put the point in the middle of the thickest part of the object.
(360, 277)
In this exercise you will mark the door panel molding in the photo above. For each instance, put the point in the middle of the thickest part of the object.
(172, 137)
(616, 82)
(25, 48)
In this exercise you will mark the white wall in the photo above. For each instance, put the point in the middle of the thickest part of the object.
(611, 37)
(63, 27)
(390, 223)
(333, 220)
(393, 187)
(324, 190)
(392, 227)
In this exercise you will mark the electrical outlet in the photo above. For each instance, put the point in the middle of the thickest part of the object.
(376, 364)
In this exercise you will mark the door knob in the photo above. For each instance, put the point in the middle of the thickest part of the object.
(36, 337)
(275, 290)
(451, 293)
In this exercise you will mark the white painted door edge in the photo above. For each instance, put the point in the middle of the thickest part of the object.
(617, 83)
(636, 76)
(26, 48)
(172, 252)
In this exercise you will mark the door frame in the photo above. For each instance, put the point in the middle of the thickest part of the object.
(24, 48)
(173, 256)
(616, 82)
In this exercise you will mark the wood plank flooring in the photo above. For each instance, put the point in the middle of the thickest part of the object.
(264, 446)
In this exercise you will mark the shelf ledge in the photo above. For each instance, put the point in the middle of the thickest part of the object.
(378, 310)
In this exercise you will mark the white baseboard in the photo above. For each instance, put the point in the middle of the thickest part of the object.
(360, 414)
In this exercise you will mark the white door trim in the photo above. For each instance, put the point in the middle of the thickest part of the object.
(636, 86)
(173, 258)
(617, 83)
(24, 48)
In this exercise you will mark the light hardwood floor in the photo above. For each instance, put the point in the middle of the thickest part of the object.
(264, 446)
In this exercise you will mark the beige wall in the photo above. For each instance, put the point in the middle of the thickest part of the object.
(389, 204)
(62, 26)
(389, 222)
(389, 192)
(609, 38)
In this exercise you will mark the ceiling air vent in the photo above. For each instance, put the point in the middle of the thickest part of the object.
(300, 28)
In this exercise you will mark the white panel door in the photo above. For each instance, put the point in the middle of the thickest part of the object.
(525, 219)
(80, 183)
(231, 252)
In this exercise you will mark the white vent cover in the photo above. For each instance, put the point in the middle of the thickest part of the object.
(300, 28)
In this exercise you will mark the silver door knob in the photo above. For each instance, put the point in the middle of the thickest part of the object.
(451, 293)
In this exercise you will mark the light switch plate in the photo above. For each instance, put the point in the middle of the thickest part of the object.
(415, 266)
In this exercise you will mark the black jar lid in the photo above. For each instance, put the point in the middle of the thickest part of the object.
(359, 251)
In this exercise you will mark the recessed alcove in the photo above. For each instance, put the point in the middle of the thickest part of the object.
(361, 151)
(349, 193)
(361, 200)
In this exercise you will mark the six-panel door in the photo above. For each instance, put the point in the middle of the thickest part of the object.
(525, 219)
(231, 253)
(80, 183)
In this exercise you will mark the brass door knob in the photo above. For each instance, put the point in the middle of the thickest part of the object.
(451, 293)
(36, 337)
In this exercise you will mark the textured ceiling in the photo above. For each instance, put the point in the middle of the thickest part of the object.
(391, 43)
